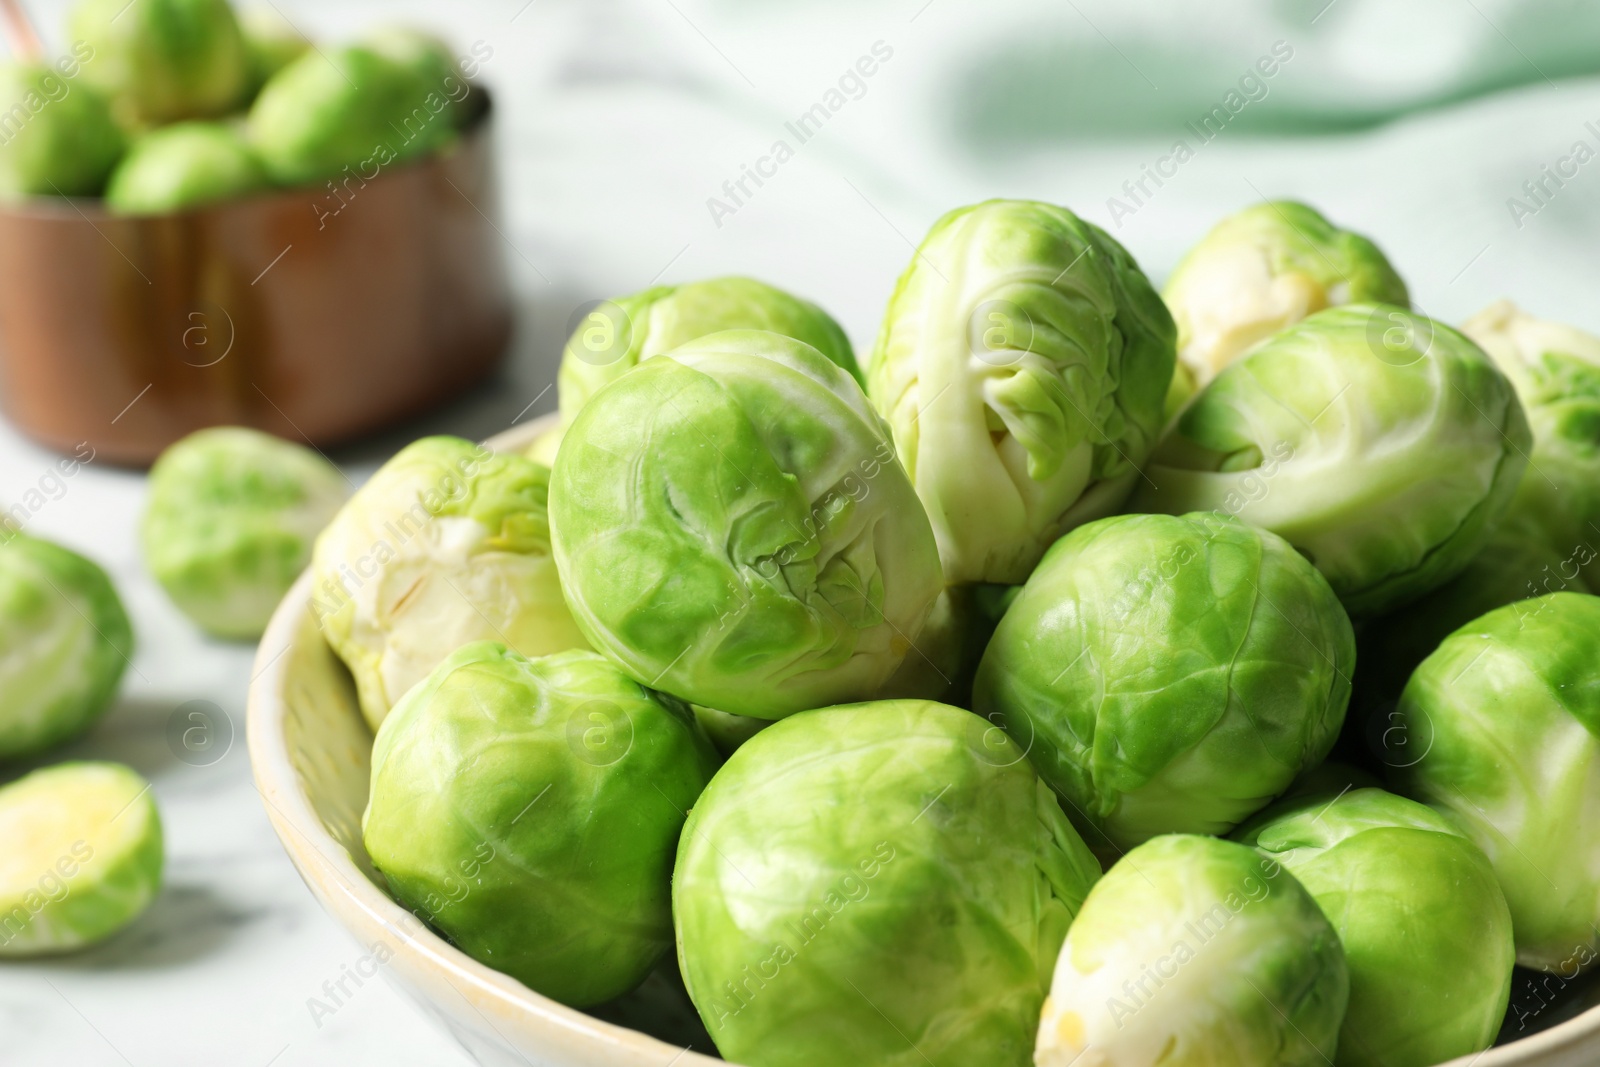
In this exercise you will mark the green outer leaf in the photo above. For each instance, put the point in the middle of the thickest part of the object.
(1196, 952)
(229, 523)
(64, 642)
(83, 856)
(637, 327)
(1507, 714)
(1022, 363)
(530, 810)
(1169, 674)
(448, 543)
(1273, 243)
(1386, 466)
(876, 884)
(1424, 925)
(732, 527)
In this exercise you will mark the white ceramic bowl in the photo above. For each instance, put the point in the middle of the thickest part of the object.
(309, 748)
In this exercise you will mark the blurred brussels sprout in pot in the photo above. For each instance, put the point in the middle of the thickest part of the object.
(1424, 926)
(732, 527)
(1193, 951)
(1381, 444)
(57, 136)
(1505, 717)
(615, 336)
(181, 166)
(1023, 363)
(83, 856)
(64, 643)
(874, 884)
(1556, 372)
(1169, 673)
(349, 111)
(428, 56)
(230, 522)
(1263, 269)
(271, 41)
(447, 544)
(530, 810)
(164, 60)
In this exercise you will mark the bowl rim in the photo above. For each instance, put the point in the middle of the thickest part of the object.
(328, 870)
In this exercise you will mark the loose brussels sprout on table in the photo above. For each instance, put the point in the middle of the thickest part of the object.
(530, 809)
(184, 165)
(230, 523)
(1193, 951)
(732, 527)
(1169, 674)
(1022, 364)
(64, 643)
(1423, 923)
(1262, 270)
(1381, 444)
(164, 60)
(1506, 715)
(82, 859)
(875, 884)
(448, 544)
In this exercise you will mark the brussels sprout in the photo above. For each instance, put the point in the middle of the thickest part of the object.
(64, 643)
(57, 138)
(1169, 674)
(941, 662)
(82, 859)
(544, 447)
(530, 810)
(1192, 952)
(1556, 372)
(1381, 444)
(164, 60)
(1023, 364)
(1423, 923)
(353, 110)
(1506, 717)
(1263, 269)
(271, 41)
(428, 57)
(447, 544)
(875, 884)
(617, 335)
(230, 522)
(182, 166)
(732, 527)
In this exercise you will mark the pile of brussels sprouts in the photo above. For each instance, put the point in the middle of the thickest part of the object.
(169, 104)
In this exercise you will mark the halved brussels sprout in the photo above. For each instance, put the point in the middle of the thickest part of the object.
(449, 543)
(82, 858)
(1424, 926)
(1022, 364)
(230, 523)
(1263, 269)
(875, 884)
(164, 60)
(350, 108)
(617, 335)
(1169, 673)
(530, 810)
(184, 165)
(1191, 952)
(732, 527)
(64, 643)
(66, 144)
(1506, 720)
(1381, 444)
(1556, 371)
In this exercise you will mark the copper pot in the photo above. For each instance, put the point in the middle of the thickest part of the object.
(317, 314)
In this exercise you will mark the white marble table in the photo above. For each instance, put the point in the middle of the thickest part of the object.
(620, 121)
